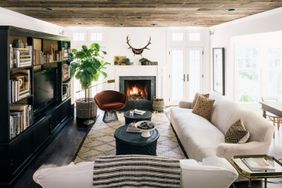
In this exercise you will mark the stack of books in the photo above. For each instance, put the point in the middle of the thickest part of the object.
(22, 57)
(20, 115)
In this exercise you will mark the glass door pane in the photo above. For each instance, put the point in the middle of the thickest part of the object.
(177, 57)
(194, 72)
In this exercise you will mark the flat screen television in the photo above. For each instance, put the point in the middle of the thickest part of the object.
(44, 88)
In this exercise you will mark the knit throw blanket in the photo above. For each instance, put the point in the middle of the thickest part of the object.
(136, 171)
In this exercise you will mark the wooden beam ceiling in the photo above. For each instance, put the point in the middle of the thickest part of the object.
(140, 13)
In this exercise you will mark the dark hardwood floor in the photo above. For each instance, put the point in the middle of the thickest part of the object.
(64, 147)
(61, 151)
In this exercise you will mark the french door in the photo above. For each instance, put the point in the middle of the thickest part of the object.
(185, 73)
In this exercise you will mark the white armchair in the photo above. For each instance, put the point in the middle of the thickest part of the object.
(212, 172)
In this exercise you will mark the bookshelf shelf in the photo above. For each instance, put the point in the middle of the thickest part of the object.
(20, 68)
(33, 109)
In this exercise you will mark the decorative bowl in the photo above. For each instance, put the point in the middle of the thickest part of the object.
(146, 127)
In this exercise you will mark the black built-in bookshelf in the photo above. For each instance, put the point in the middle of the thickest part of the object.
(35, 96)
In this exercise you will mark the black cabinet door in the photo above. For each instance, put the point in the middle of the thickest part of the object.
(40, 133)
(60, 114)
(21, 150)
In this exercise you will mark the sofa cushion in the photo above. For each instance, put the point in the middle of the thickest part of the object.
(203, 107)
(225, 112)
(196, 97)
(237, 133)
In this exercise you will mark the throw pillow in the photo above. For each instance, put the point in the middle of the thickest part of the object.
(196, 97)
(203, 107)
(237, 133)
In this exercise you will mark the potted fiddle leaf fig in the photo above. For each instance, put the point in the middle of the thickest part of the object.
(87, 65)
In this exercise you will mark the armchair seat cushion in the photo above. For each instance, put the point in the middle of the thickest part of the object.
(113, 106)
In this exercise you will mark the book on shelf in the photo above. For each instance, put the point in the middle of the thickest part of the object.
(258, 164)
(20, 115)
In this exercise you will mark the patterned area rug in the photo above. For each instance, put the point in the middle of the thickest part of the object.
(100, 139)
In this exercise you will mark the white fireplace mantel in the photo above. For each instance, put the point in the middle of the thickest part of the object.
(137, 70)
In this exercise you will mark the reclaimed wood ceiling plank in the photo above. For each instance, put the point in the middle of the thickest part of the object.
(140, 12)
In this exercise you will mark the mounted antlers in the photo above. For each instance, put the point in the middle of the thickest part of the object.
(138, 51)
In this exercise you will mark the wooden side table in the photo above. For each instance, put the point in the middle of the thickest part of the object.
(244, 171)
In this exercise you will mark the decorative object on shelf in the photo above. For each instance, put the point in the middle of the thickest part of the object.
(122, 60)
(19, 85)
(146, 127)
(218, 70)
(145, 61)
(158, 104)
(18, 43)
(138, 51)
(87, 65)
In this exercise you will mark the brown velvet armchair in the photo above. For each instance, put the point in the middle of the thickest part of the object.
(110, 101)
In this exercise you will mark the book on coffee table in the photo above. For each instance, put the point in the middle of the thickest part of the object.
(139, 112)
(131, 128)
(257, 164)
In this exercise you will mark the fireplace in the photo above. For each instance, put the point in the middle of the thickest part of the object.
(139, 90)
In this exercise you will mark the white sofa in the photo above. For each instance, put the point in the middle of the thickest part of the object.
(215, 172)
(202, 138)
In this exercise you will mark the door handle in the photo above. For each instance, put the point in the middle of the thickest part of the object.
(188, 79)
(183, 77)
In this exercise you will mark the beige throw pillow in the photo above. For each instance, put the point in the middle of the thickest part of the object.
(237, 133)
(196, 97)
(203, 107)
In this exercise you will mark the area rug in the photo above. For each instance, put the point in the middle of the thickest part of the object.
(100, 139)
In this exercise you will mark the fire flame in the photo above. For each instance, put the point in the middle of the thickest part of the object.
(135, 91)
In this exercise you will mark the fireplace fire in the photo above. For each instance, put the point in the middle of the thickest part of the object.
(137, 92)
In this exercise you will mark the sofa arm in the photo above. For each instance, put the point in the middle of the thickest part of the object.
(70, 176)
(185, 104)
(228, 150)
(219, 173)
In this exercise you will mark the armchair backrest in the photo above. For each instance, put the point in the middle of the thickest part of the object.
(109, 96)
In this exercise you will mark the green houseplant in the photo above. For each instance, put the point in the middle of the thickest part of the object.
(87, 65)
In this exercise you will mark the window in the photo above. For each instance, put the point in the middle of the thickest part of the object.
(274, 72)
(177, 36)
(194, 71)
(248, 70)
(177, 74)
(258, 63)
(78, 36)
(194, 36)
(96, 37)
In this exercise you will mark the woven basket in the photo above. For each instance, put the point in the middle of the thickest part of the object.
(158, 104)
(83, 108)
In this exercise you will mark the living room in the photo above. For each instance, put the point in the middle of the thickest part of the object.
(188, 90)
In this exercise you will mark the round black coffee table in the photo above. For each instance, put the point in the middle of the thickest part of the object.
(133, 143)
(136, 117)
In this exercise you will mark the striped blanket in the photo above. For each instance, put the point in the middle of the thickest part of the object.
(136, 171)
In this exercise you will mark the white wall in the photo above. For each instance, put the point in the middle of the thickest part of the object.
(114, 42)
(221, 36)
(11, 18)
